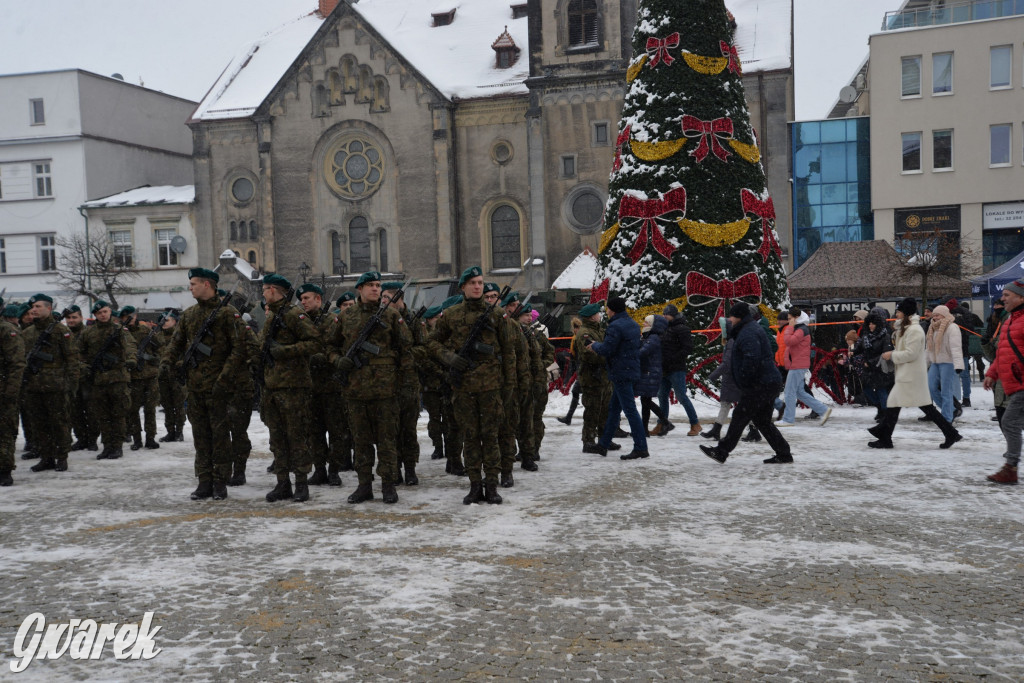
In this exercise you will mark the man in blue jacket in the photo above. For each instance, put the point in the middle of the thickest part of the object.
(621, 349)
(753, 368)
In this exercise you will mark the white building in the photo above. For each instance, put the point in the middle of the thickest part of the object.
(67, 137)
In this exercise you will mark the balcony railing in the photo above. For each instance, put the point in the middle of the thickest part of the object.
(952, 13)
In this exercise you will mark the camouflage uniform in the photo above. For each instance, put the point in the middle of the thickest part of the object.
(432, 382)
(12, 365)
(209, 384)
(527, 399)
(409, 405)
(145, 389)
(172, 394)
(595, 390)
(512, 401)
(77, 403)
(477, 399)
(43, 395)
(327, 410)
(371, 389)
(107, 376)
(540, 386)
(240, 404)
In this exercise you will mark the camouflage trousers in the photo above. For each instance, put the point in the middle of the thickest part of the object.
(145, 394)
(239, 416)
(286, 412)
(46, 414)
(595, 410)
(507, 433)
(433, 401)
(79, 416)
(108, 412)
(524, 426)
(172, 398)
(540, 402)
(327, 419)
(453, 435)
(374, 423)
(8, 433)
(211, 435)
(479, 416)
(408, 416)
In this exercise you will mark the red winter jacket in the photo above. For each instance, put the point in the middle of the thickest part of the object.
(1007, 367)
(798, 345)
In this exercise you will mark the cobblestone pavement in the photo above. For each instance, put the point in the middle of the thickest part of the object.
(849, 565)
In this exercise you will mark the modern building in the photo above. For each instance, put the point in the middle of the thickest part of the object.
(422, 139)
(67, 137)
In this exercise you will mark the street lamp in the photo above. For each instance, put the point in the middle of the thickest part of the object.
(340, 267)
(304, 271)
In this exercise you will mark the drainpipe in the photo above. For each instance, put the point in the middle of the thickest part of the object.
(88, 268)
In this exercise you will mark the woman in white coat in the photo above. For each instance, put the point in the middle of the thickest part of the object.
(945, 354)
(911, 388)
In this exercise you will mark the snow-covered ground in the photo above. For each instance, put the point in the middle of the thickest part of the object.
(851, 564)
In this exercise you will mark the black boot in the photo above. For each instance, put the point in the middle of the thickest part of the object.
(634, 455)
(179, 435)
(389, 493)
(203, 491)
(565, 420)
(301, 490)
(136, 442)
(458, 469)
(5, 478)
(952, 436)
(714, 433)
(319, 476)
(476, 493)
(220, 490)
(270, 467)
(529, 465)
(29, 454)
(44, 464)
(491, 493)
(282, 491)
(78, 445)
(536, 455)
(91, 445)
(362, 493)
(104, 453)
(410, 476)
(151, 443)
(438, 453)
(752, 434)
(507, 481)
(620, 433)
(333, 476)
(61, 464)
(170, 436)
(115, 453)
(238, 475)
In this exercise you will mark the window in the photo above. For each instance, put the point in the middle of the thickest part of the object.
(942, 150)
(1000, 66)
(505, 247)
(359, 244)
(601, 133)
(3, 256)
(381, 95)
(520, 10)
(942, 73)
(999, 144)
(382, 241)
(337, 263)
(354, 168)
(234, 231)
(254, 232)
(121, 242)
(911, 152)
(252, 258)
(165, 256)
(582, 17)
(36, 112)
(44, 186)
(583, 210)
(242, 190)
(911, 81)
(47, 253)
(568, 166)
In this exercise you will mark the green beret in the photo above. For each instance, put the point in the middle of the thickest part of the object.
(470, 273)
(277, 281)
(526, 309)
(173, 314)
(74, 308)
(347, 296)
(432, 312)
(11, 311)
(589, 310)
(40, 297)
(127, 310)
(391, 285)
(513, 296)
(116, 313)
(222, 292)
(368, 276)
(310, 287)
(22, 309)
(491, 287)
(100, 303)
(203, 273)
(451, 301)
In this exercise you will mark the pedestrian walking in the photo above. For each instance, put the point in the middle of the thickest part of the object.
(676, 346)
(651, 368)
(942, 342)
(728, 391)
(1008, 369)
(876, 374)
(797, 358)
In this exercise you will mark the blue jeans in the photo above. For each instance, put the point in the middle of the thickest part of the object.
(965, 380)
(795, 391)
(942, 385)
(876, 397)
(676, 381)
(622, 402)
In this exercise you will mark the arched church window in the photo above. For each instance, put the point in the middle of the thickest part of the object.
(234, 231)
(334, 87)
(359, 244)
(365, 93)
(349, 74)
(254, 233)
(505, 239)
(381, 95)
(382, 241)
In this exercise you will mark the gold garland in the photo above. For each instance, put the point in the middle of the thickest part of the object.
(714, 234)
(634, 70)
(656, 151)
(748, 152)
(607, 237)
(638, 314)
(709, 66)
(769, 313)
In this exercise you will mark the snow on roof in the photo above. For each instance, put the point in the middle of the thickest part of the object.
(145, 195)
(763, 33)
(580, 274)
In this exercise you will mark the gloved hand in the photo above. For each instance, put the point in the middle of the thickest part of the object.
(553, 372)
(344, 364)
(277, 351)
(958, 371)
(455, 361)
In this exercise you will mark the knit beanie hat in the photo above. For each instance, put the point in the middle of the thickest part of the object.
(908, 306)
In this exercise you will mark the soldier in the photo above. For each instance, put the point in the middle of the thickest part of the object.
(287, 342)
(523, 387)
(77, 404)
(432, 383)
(345, 302)
(209, 373)
(408, 391)
(12, 365)
(485, 374)
(172, 393)
(327, 407)
(453, 442)
(51, 369)
(108, 355)
(527, 420)
(595, 390)
(540, 379)
(145, 388)
(240, 403)
(372, 386)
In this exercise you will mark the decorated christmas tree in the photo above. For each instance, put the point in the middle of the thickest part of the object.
(689, 221)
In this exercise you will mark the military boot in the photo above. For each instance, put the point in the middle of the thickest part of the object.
(399, 479)
(203, 491)
(491, 493)
(238, 475)
(507, 481)
(270, 467)
(179, 435)
(362, 493)
(410, 476)
(91, 445)
(104, 453)
(319, 476)
(44, 464)
(5, 478)
(301, 489)
(475, 495)
(170, 436)
(438, 453)
(389, 493)
(151, 443)
(282, 491)
(30, 453)
(78, 445)
(529, 465)
(333, 476)
(115, 453)
(136, 442)
(220, 490)
(61, 465)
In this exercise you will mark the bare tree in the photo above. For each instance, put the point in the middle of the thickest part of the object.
(929, 258)
(94, 268)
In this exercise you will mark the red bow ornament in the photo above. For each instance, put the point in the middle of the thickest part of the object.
(718, 128)
(658, 49)
(702, 290)
(600, 293)
(734, 57)
(619, 142)
(647, 211)
(765, 210)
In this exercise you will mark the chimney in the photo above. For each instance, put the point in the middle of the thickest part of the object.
(326, 7)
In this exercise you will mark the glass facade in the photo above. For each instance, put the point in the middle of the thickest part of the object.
(831, 184)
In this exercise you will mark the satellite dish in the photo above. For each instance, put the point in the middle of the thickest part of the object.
(178, 244)
(848, 94)
(117, 76)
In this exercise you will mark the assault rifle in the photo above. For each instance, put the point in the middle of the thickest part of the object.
(141, 357)
(104, 360)
(552, 317)
(197, 347)
(36, 357)
(362, 341)
(266, 360)
(518, 311)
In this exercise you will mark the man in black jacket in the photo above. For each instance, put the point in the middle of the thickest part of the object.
(676, 345)
(753, 368)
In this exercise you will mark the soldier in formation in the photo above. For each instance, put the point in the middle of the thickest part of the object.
(172, 393)
(108, 355)
(595, 389)
(144, 390)
(327, 407)
(12, 367)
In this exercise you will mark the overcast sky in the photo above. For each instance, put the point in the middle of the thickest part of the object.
(181, 46)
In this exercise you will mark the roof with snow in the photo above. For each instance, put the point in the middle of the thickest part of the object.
(146, 196)
(457, 58)
(579, 274)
